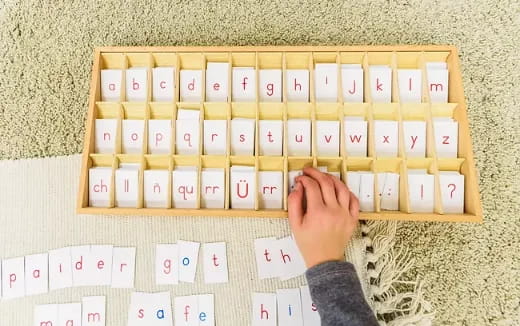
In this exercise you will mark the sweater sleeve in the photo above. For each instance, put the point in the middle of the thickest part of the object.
(337, 293)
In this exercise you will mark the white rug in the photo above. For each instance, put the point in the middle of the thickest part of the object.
(37, 213)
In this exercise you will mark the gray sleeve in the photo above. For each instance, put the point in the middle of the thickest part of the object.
(337, 293)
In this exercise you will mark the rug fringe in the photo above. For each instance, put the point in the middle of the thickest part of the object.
(388, 291)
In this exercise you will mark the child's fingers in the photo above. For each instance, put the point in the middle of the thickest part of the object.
(342, 192)
(312, 192)
(326, 184)
(295, 205)
(354, 206)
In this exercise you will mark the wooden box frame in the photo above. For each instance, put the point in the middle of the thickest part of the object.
(291, 57)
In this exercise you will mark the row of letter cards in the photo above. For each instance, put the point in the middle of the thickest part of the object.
(364, 130)
(90, 311)
(264, 183)
(146, 309)
(96, 265)
(285, 307)
(405, 77)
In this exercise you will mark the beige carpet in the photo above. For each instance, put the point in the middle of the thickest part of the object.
(471, 271)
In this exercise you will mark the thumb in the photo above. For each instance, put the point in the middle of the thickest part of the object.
(295, 205)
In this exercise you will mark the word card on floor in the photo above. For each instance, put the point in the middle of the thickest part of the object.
(224, 131)
(90, 312)
(285, 307)
(178, 262)
(95, 265)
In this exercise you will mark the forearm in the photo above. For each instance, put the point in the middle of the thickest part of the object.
(337, 292)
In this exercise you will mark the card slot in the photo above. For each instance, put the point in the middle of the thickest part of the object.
(471, 194)
(214, 80)
(134, 111)
(380, 58)
(453, 111)
(191, 83)
(404, 191)
(284, 77)
(351, 111)
(101, 161)
(351, 91)
(385, 165)
(408, 60)
(242, 188)
(362, 165)
(385, 111)
(138, 60)
(186, 161)
(269, 184)
(438, 207)
(367, 93)
(212, 162)
(129, 162)
(425, 95)
(112, 60)
(164, 60)
(455, 91)
(123, 80)
(312, 76)
(159, 162)
(395, 83)
(191, 61)
(430, 166)
(227, 180)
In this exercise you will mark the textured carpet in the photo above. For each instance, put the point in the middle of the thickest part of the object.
(471, 271)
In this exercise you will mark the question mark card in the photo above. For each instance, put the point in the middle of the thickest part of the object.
(242, 187)
(452, 192)
(421, 190)
(388, 184)
(187, 132)
(185, 190)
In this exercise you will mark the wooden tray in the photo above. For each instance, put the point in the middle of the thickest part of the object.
(283, 57)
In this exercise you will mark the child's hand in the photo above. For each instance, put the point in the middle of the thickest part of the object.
(325, 226)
